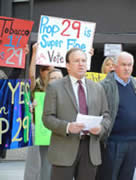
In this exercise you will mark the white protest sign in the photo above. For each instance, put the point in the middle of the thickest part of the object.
(112, 49)
(57, 35)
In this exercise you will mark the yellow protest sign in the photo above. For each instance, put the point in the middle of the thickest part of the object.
(95, 76)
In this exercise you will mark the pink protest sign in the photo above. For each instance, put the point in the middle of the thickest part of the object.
(14, 35)
(57, 35)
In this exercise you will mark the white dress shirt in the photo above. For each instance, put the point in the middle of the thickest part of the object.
(75, 85)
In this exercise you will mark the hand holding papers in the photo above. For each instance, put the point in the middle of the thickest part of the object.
(75, 127)
(91, 123)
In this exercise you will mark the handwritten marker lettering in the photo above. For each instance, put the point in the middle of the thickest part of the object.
(61, 34)
(14, 35)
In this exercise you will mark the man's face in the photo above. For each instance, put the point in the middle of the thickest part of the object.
(77, 65)
(124, 67)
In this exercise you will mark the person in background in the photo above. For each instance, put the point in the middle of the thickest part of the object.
(40, 83)
(45, 170)
(37, 161)
(73, 152)
(120, 151)
(54, 74)
(107, 65)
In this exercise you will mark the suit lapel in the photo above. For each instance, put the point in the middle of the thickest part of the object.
(89, 94)
(69, 90)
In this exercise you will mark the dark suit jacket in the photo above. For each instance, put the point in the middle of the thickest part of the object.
(60, 109)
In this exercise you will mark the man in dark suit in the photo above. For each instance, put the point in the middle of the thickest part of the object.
(74, 152)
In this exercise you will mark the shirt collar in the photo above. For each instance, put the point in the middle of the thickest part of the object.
(74, 80)
(116, 77)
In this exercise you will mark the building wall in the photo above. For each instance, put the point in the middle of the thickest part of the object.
(115, 20)
(110, 16)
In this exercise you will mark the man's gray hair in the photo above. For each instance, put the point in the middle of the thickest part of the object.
(123, 54)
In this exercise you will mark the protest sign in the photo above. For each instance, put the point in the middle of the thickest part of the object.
(96, 77)
(42, 134)
(15, 118)
(112, 49)
(57, 35)
(14, 35)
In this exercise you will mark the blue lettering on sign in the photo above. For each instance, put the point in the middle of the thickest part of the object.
(12, 41)
(72, 43)
(19, 38)
(87, 32)
(46, 28)
(50, 43)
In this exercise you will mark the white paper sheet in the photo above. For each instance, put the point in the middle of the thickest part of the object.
(89, 121)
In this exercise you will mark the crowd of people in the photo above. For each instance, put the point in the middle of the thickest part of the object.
(104, 152)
